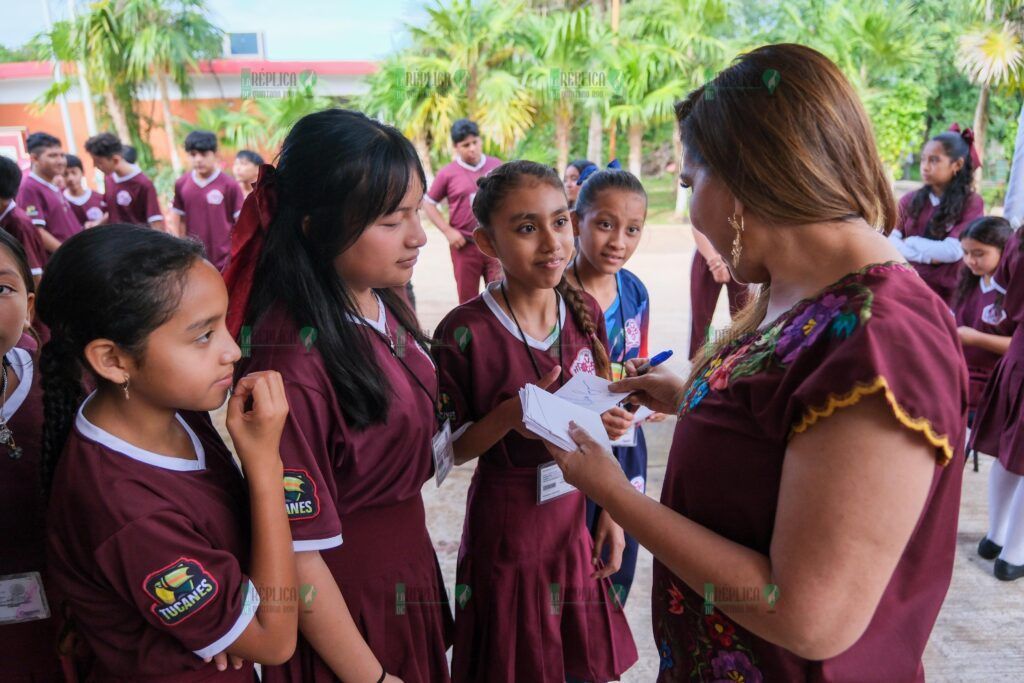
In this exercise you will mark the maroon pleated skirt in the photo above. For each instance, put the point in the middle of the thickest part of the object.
(388, 573)
(999, 424)
(526, 607)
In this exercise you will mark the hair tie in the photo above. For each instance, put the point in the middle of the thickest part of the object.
(247, 239)
(968, 136)
(590, 170)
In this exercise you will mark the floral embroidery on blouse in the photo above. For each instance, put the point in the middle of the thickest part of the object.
(836, 312)
(712, 650)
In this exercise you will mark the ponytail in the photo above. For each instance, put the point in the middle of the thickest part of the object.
(581, 314)
(62, 393)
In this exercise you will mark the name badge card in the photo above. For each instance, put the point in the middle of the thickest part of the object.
(551, 483)
(444, 453)
(22, 598)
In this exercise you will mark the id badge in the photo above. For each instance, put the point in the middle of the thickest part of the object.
(22, 598)
(627, 439)
(444, 452)
(551, 483)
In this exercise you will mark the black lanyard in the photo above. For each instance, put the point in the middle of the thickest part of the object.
(622, 311)
(522, 335)
(394, 353)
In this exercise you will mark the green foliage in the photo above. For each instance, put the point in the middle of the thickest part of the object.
(898, 116)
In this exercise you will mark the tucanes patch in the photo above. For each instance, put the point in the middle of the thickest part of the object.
(446, 408)
(123, 198)
(584, 362)
(94, 213)
(300, 498)
(215, 197)
(993, 314)
(179, 590)
(632, 334)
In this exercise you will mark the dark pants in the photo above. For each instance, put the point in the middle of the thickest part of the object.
(470, 265)
(704, 293)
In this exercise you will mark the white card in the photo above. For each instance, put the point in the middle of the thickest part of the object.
(22, 598)
(551, 483)
(444, 452)
(627, 439)
(590, 392)
(548, 416)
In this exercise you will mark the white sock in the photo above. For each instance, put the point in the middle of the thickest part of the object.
(1013, 548)
(1001, 487)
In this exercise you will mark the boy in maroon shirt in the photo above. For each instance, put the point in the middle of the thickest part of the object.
(39, 195)
(207, 200)
(88, 206)
(15, 221)
(456, 182)
(130, 196)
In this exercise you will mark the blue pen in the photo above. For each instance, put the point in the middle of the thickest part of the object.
(654, 362)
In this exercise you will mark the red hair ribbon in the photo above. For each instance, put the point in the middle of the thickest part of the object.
(968, 135)
(247, 239)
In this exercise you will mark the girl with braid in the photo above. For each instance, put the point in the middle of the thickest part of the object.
(537, 604)
(931, 219)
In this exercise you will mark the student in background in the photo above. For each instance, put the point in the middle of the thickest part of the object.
(456, 182)
(184, 556)
(207, 200)
(28, 643)
(609, 217)
(16, 222)
(88, 206)
(246, 169)
(541, 605)
(39, 196)
(983, 325)
(931, 219)
(571, 178)
(129, 195)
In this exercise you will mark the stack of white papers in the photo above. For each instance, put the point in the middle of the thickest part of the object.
(548, 416)
(582, 399)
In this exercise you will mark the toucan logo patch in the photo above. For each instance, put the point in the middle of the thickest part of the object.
(993, 314)
(584, 362)
(179, 590)
(300, 498)
(632, 334)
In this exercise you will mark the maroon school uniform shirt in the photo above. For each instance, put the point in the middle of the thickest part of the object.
(876, 331)
(46, 206)
(483, 361)
(941, 277)
(155, 580)
(210, 208)
(982, 310)
(332, 469)
(88, 206)
(17, 223)
(131, 199)
(456, 182)
(29, 648)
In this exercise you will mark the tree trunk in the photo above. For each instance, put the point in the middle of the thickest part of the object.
(681, 203)
(1013, 206)
(165, 103)
(636, 138)
(595, 137)
(117, 115)
(563, 127)
(419, 142)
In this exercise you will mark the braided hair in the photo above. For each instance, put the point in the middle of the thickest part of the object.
(493, 188)
(116, 282)
(954, 199)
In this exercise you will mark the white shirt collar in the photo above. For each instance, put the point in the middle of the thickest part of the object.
(35, 176)
(380, 324)
(510, 325)
(934, 199)
(991, 286)
(120, 179)
(167, 462)
(21, 363)
(463, 164)
(203, 183)
(80, 200)
(10, 207)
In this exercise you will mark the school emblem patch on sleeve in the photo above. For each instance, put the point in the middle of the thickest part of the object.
(179, 590)
(300, 498)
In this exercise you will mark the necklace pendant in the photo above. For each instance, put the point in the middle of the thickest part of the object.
(5, 434)
(15, 453)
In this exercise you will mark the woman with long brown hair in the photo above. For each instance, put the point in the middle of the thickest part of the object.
(807, 524)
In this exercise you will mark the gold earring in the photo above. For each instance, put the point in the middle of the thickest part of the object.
(737, 245)
(124, 387)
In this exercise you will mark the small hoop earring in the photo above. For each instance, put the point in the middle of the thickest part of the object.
(124, 387)
(737, 244)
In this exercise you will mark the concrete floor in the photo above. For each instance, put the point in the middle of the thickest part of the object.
(980, 631)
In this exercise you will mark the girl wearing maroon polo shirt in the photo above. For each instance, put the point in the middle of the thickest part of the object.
(28, 635)
(163, 557)
(539, 604)
(807, 525)
(931, 219)
(321, 245)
